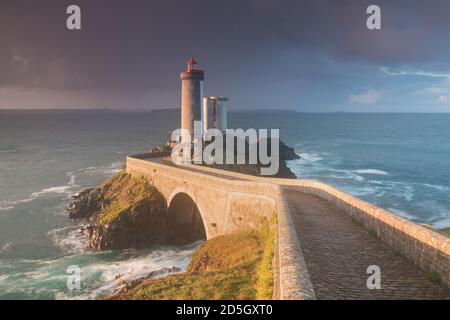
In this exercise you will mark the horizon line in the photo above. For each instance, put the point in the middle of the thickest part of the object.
(285, 110)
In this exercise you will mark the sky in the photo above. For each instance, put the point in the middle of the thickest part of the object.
(307, 55)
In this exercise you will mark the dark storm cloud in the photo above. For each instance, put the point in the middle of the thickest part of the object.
(413, 31)
(129, 53)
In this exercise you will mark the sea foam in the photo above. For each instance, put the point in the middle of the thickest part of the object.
(371, 171)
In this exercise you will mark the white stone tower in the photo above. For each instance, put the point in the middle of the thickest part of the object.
(191, 95)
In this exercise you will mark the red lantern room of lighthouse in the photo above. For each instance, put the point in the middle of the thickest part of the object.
(190, 66)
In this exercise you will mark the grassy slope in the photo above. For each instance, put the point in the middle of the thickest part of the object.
(236, 266)
(125, 193)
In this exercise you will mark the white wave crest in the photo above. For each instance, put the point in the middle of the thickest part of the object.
(7, 247)
(11, 204)
(107, 170)
(436, 187)
(69, 239)
(309, 157)
(4, 208)
(72, 179)
(67, 189)
(112, 274)
(371, 171)
(59, 190)
(3, 277)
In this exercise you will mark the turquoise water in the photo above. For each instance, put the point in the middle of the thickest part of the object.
(400, 162)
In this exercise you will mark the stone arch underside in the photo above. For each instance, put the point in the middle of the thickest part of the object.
(185, 222)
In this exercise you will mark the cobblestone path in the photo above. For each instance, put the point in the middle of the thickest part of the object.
(338, 251)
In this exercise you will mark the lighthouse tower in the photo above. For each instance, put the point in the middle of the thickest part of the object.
(191, 95)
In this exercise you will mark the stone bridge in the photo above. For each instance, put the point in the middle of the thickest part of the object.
(326, 239)
(226, 204)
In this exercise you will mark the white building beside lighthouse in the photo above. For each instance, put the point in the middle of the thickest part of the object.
(215, 113)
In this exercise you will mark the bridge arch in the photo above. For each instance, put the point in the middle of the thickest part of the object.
(185, 219)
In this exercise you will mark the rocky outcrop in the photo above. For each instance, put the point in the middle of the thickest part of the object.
(286, 153)
(123, 212)
(85, 203)
(140, 227)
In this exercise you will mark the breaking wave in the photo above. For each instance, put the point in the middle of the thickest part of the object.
(101, 272)
(69, 239)
(106, 170)
(69, 189)
(66, 189)
(371, 171)
(309, 157)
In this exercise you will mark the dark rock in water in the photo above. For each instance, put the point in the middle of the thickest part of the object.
(84, 203)
(140, 227)
(124, 212)
(287, 153)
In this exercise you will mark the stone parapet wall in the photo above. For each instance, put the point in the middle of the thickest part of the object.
(294, 281)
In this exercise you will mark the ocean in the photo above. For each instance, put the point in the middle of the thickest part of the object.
(400, 162)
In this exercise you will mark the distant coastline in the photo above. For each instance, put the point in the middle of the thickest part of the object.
(170, 110)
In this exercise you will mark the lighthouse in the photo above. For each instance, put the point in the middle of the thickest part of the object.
(191, 95)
